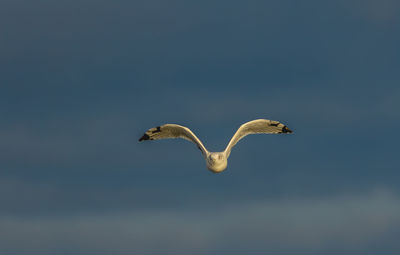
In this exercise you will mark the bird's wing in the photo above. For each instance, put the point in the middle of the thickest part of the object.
(173, 131)
(256, 127)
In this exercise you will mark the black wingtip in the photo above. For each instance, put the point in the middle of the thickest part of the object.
(286, 130)
(144, 137)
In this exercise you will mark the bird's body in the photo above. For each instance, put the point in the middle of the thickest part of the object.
(216, 161)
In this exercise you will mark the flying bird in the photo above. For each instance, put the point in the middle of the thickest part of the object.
(216, 161)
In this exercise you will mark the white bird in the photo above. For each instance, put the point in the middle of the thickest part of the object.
(216, 161)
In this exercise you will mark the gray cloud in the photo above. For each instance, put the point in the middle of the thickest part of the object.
(352, 224)
(382, 13)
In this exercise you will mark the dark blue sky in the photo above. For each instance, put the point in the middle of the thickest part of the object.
(80, 81)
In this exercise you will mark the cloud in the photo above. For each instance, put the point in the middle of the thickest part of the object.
(379, 12)
(350, 224)
(65, 140)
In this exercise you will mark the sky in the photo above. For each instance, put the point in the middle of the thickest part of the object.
(80, 81)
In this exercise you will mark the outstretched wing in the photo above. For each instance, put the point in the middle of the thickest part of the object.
(260, 126)
(173, 131)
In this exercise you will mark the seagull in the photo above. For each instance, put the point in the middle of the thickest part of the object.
(216, 161)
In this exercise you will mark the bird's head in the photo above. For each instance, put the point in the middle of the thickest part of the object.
(216, 156)
(217, 162)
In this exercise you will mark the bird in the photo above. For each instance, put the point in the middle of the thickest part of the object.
(216, 162)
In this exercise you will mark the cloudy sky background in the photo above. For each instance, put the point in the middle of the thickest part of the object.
(80, 81)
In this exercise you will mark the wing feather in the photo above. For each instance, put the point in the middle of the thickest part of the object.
(260, 126)
(173, 131)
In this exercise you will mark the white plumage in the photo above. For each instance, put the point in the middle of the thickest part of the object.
(216, 161)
